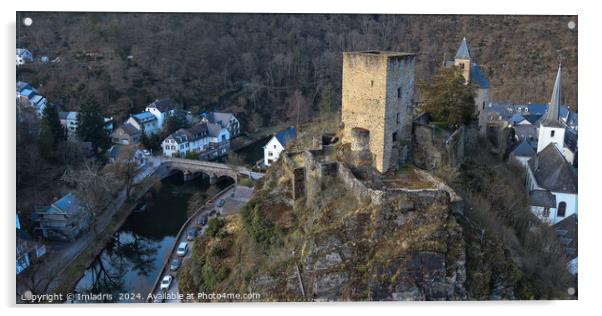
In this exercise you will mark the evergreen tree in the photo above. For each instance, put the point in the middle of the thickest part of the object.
(52, 132)
(447, 98)
(174, 122)
(91, 125)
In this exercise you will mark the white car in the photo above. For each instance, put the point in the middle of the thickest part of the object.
(182, 249)
(166, 282)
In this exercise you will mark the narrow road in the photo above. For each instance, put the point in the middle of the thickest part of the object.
(234, 199)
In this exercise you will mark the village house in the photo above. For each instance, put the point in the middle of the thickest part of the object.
(127, 153)
(227, 120)
(523, 152)
(23, 56)
(126, 134)
(28, 249)
(64, 219)
(145, 121)
(525, 119)
(28, 96)
(69, 120)
(161, 109)
(278, 142)
(206, 140)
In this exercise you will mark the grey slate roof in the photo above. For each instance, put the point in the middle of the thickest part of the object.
(524, 149)
(543, 198)
(130, 129)
(552, 171)
(163, 105)
(551, 118)
(529, 132)
(567, 231)
(191, 134)
(463, 52)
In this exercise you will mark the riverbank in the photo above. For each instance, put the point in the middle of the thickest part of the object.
(77, 267)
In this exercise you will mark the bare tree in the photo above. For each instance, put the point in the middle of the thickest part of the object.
(94, 189)
(125, 168)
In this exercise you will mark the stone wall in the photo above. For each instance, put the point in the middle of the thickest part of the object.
(482, 100)
(454, 146)
(424, 153)
(429, 151)
(377, 95)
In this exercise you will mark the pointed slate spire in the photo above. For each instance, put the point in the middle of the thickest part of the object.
(463, 50)
(552, 115)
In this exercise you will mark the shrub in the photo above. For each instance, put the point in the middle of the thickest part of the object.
(214, 226)
(254, 221)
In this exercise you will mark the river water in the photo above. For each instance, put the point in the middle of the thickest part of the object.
(132, 260)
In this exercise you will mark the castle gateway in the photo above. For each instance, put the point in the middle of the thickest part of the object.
(378, 87)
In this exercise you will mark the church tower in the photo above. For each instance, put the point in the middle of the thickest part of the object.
(463, 60)
(551, 130)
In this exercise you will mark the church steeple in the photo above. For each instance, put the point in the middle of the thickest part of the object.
(462, 61)
(552, 116)
(463, 52)
(551, 130)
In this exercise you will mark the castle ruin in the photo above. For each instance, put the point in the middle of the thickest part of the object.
(378, 87)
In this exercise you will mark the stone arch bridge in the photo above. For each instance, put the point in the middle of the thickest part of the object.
(193, 168)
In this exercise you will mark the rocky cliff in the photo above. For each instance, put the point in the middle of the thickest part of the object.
(405, 245)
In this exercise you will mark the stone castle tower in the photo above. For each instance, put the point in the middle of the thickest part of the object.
(378, 87)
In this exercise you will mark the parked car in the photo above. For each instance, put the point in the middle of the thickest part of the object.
(221, 202)
(182, 249)
(166, 282)
(201, 220)
(192, 233)
(175, 264)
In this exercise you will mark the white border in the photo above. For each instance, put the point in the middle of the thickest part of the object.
(589, 73)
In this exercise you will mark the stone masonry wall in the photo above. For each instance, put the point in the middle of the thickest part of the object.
(377, 95)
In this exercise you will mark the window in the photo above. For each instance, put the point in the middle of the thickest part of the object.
(561, 209)
(546, 212)
(270, 154)
(483, 105)
(274, 146)
(552, 133)
(395, 136)
(399, 92)
(398, 118)
(372, 83)
(461, 66)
